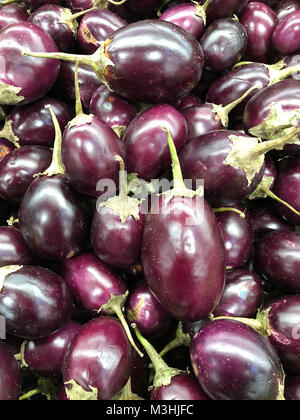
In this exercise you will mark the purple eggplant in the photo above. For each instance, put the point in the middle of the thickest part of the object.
(59, 23)
(54, 219)
(32, 124)
(13, 249)
(18, 168)
(45, 356)
(145, 142)
(112, 109)
(34, 301)
(118, 226)
(230, 163)
(292, 388)
(144, 310)
(242, 295)
(286, 35)
(274, 111)
(10, 375)
(260, 22)
(98, 362)
(97, 26)
(12, 13)
(37, 76)
(234, 362)
(286, 7)
(88, 83)
(202, 119)
(189, 16)
(277, 258)
(287, 188)
(98, 285)
(170, 383)
(224, 43)
(224, 8)
(179, 220)
(265, 221)
(233, 84)
(281, 319)
(238, 236)
(163, 62)
(89, 150)
(101, 291)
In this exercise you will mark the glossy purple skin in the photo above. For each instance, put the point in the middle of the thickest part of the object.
(146, 144)
(35, 302)
(35, 4)
(201, 119)
(115, 242)
(189, 101)
(265, 221)
(205, 158)
(33, 124)
(224, 43)
(45, 356)
(286, 7)
(238, 237)
(242, 295)
(5, 148)
(91, 281)
(183, 387)
(97, 26)
(100, 356)
(278, 259)
(260, 21)
(270, 170)
(283, 319)
(287, 34)
(285, 93)
(143, 309)
(10, 375)
(89, 153)
(88, 83)
(292, 388)
(184, 15)
(233, 84)
(53, 219)
(111, 108)
(12, 13)
(218, 9)
(49, 18)
(235, 363)
(37, 75)
(13, 249)
(137, 75)
(288, 189)
(18, 168)
(79, 5)
(187, 280)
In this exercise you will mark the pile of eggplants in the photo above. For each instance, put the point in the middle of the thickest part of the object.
(149, 200)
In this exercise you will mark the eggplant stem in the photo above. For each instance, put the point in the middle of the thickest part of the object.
(157, 361)
(123, 321)
(228, 108)
(277, 144)
(222, 209)
(176, 168)
(79, 14)
(29, 394)
(275, 197)
(57, 166)
(256, 324)
(78, 106)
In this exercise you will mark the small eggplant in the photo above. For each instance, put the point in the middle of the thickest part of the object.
(13, 249)
(12, 13)
(163, 62)
(286, 35)
(10, 375)
(234, 362)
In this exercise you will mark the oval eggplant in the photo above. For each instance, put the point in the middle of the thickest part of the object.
(10, 375)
